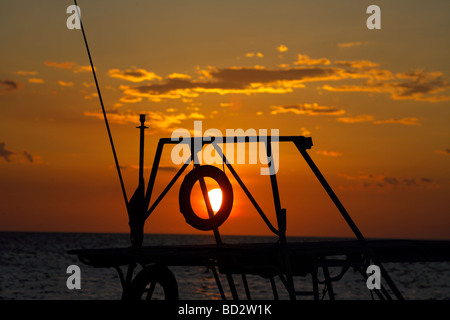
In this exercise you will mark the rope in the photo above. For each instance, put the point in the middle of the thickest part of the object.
(103, 110)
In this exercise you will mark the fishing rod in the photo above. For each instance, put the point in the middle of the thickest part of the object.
(103, 108)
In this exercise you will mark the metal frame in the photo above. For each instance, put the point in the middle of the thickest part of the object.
(302, 143)
(140, 201)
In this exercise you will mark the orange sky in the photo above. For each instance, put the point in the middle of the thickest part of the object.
(375, 102)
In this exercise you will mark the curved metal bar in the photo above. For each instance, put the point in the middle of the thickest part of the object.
(247, 192)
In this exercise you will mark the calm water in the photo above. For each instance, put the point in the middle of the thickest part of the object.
(33, 266)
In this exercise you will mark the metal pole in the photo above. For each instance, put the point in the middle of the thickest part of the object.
(347, 217)
(246, 191)
(247, 289)
(330, 192)
(151, 181)
(124, 193)
(142, 128)
(281, 220)
(328, 283)
(219, 285)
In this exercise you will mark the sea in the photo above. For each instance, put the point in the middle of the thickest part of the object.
(34, 266)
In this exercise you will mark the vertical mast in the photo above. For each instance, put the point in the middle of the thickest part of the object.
(142, 128)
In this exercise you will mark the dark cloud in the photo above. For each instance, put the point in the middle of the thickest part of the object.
(4, 153)
(134, 75)
(168, 168)
(13, 156)
(9, 85)
(174, 84)
(415, 85)
(246, 76)
(392, 181)
(136, 167)
(379, 182)
(444, 151)
(28, 157)
(308, 109)
(422, 84)
(245, 80)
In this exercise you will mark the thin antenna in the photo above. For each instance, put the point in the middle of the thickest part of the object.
(103, 109)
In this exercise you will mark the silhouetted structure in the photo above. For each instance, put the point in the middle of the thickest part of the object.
(281, 259)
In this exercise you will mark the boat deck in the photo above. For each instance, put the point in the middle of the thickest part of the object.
(260, 258)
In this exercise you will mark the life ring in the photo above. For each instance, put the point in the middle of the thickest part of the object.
(185, 198)
(150, 275)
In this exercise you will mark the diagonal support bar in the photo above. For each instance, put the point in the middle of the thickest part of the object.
(330, 192)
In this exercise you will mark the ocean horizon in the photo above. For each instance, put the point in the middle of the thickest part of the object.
(33, 266)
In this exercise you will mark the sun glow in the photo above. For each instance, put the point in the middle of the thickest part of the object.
(215, 197)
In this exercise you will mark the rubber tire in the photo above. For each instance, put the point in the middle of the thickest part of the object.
(154, 273)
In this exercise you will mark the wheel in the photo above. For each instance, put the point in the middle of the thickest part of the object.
(150, 278)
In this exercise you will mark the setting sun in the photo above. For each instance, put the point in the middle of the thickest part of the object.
(215, 197)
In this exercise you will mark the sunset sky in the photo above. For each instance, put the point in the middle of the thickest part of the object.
(375, 102)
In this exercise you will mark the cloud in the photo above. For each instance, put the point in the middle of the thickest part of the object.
(282, 48)
(356, 119)
(157, 121)
(305, 132)
(178, 76)
(65, 84)
(133, 75)
(238, 80)
(14, 156)
(404, 121)
(243, 76)
(4, 153)
(28, 156)
(421, 86)
(360, 64)
(196, 115)
(445, 152)
(9, 85)
(68, 66)
(79, 69)
(60, 65)
(26, 73)
(35, 80)
(304, 59)
(416, 85)
(254, 54)
(308, 109)
(352, 44)
(329, 153)
(370, 118)
(381, 182)
(130, 99)
(366, 69)
(168, 168)
(136, 167)
(115, 116)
